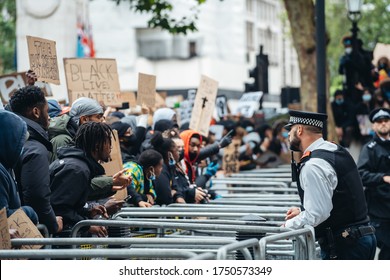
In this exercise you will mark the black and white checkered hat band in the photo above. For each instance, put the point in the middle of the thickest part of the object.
(307, 121)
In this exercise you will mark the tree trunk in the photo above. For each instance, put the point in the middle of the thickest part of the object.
(301, 15)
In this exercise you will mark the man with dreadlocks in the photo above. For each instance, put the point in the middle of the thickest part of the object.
(72, 172)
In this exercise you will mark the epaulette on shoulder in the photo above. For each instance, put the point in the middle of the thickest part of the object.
(371, 144)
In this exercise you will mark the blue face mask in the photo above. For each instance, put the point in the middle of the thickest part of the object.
(339, 101)
(285, 134)
(172, 162)
(366, 97)
(152, 177)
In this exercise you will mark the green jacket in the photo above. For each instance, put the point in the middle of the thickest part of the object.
(61, 133)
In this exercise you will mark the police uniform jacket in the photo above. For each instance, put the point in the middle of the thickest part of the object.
(373, 164)
(330, 189)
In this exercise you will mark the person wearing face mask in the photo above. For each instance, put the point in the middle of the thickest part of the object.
(383, 68)
(127, 140)
(182, 190)
(330, 190)
(356, 67)
(164, 184)
(345, 120)
(363, 109)
(144, 171)
(279, 144)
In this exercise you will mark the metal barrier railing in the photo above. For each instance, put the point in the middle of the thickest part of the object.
(242, 246)
(266, 182)
(307, 245)
(96, 253)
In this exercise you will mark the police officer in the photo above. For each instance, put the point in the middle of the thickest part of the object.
(374, 169)
(331, 192)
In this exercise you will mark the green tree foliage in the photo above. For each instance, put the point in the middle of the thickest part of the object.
(374, 27)
(7, 35)
(161, 15)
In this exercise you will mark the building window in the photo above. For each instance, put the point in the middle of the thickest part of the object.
(192, 49)
(249, 36)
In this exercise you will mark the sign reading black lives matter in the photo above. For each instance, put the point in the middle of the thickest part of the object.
(96, 78)
(43, 59)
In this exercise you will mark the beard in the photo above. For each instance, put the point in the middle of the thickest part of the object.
(295, 143)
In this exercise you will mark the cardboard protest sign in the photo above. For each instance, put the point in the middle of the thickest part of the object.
(204, 105)
(96, 78)
(129, 97)
(230, 162)
(22, 223)
(43, 59)
(247, 108)
(146, 93)
(221, 106)
(186, 107)
(115, 165)
(252, 96)
(379, 51)
(5, 239)
(10, 83)
(160, 101)
(249, 103)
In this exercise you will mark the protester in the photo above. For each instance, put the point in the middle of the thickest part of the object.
(331, 192)
(72, 172)
(193, 154)
(62, 131)
(374, 166)
(13, 135)
(345, 119)
(143, 173)
(30, 103)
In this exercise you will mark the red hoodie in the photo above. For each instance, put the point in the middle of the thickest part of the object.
(186, 137)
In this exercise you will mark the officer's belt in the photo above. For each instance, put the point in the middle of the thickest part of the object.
(355, 231)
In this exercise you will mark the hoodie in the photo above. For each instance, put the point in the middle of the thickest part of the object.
(162, 114)
(70, 180)
(32, 174)
(202, 154)
(12, 138)
(190, 162)
(62, 129)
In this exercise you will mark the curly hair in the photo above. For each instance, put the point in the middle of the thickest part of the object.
(91, 136)
(26, 98)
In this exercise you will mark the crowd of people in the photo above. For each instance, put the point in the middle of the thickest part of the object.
(366, 87)
(51, 165)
